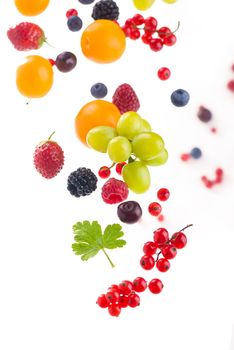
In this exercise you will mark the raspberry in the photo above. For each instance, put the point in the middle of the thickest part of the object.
(126, 99)
(114, 191)
(105, 9)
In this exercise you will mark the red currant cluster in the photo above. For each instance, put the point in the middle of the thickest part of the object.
(105, 171)
(230, 84)
(155, 38)
(162, 245)
(155, 208)
(125, 294)
(218, 178)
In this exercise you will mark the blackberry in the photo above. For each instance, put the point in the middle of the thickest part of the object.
(82, 182)
(106, 9)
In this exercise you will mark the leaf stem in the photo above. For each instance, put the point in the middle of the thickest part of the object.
(112, 265)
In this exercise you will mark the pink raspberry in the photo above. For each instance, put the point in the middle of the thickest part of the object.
(126, 99)
(114, 191)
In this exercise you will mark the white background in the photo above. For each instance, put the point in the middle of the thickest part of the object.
(47, 295)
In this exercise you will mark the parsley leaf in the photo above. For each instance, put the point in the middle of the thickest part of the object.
(89, 239)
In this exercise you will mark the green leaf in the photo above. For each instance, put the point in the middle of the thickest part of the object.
(89, 239)
(111, 237)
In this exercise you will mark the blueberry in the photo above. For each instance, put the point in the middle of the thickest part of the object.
(99, 90)
(86, 2)
(196, 153)
(180, 98)
(74, 23)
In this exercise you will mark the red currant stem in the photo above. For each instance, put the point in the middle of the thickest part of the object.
(51, 135)
(112, 265)
(158, 255)
(157, 31)
(112, 165)
(186, 227)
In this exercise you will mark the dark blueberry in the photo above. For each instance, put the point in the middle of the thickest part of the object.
(74, 23)
(180, 98)
(66, 61)
(129, 212)
(99, 90)
(204, 114)
(196, 153)
(86, 2)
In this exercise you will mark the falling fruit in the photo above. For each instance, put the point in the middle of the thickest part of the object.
(31, 7)
(143, 4)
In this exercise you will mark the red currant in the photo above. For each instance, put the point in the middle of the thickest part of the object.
(161, 218)
(155, 286)
(156, 45)
(133, 300)
(129, 22)
(179, 240)
(71, 12)
(163, 265)
(102, 301)
(150, 24)
(139, 284)
(169, 40)
(52, 62)
(138, 20)
(163, 32)
(125, 287)
(161, 236)
(214, 130)
(185, 157)
(232, 67)
(150, 248)
(104, 172)
(230, 85)
(147, 262)
(164, 73)
(163, 194)
(134, 34)
(154, 209)
(219, 172)
(123, 301)
(169, 251)
(127, 30)
(112, 297)
(146, 38)
(114, 288)
(114, 310)
(119, 167)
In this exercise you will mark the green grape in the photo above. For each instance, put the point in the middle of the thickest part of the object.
(145, 126)
(137, 176)
(129, 125)
(99, 137)
(119, 149)
(159, 160)
(147, 145)
(143, 4)
(170, 1)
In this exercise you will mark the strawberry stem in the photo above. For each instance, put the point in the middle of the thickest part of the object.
(51, 135)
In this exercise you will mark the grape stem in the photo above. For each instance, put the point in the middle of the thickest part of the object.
(112, 265)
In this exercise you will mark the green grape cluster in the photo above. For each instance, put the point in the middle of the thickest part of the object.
(134, 141)
(144, 5)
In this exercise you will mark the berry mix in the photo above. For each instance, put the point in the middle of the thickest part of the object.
(113, 127)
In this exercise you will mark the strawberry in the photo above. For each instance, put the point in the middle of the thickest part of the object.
(26, 36)
(48, 158)
(126, 99)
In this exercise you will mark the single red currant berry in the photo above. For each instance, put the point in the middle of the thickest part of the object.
(232, 67)
(163, 265)
(104, 172)
(138, 19)
(161, 218)
(214, 130)
(114, 310)
(125, 287)
(155, 286)
(52, 62)
(150, 24)
(209, 184)
(139, 284)
(179, 240)
(123, 301)
(146, 38)
(169, 251)
(119, 167)
(150, 248)
(114, 288)
(185, 157)
(154, 209)
(170, 40)
(71, 12)
(134, 34)
(163, 32)
(112, 297)
(133, 300)
(204, 179)
(161, 236)
(230, 85)
(164, 73)
(102, 301)
(147, 262)
(219, 172)
(127, 30)
(163, 194)
(129, 22)
(156, 45)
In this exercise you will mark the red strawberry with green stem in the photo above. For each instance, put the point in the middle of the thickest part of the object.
(48, 158)
(26, 36)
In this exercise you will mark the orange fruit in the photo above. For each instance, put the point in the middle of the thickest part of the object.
(31, 7)
(103, 41)
(95, 113)
(34, 78)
